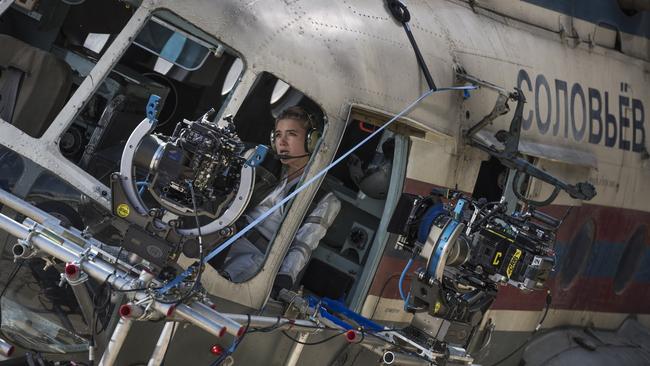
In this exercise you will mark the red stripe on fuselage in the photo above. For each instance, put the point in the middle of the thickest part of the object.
(613, 224)
(592, 294)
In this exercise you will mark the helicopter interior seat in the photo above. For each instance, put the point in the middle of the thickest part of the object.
(34, 85)
(120, 116)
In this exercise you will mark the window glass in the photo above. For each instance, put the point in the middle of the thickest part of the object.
(49, 48)
(577, 255)
(172, 44)
(290, 123)
(34, 293)
(150, 66)
(631, 259)
(11, 167)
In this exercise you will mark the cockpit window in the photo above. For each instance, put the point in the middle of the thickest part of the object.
(291, 125)
(173, 45)
(190, 75)
(48, 48)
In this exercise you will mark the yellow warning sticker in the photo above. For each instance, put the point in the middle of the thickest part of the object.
(513, 262)
(123, 210)
(437, 307)
(497, 258)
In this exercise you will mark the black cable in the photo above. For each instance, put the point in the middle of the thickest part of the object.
(200, 239)
(93, 329)
(100, 308)
(539, 324)
(293, 175)
(546, 307)
(134, 289)
(278, 324)
(313, 343)
(383, 289)
(197, 279)
(241, 338)
(117, 258)
(401, 13)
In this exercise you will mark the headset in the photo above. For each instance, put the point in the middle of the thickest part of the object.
(311, 137)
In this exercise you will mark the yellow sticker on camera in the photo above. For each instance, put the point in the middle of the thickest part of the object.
(123, 210)
(513, 262)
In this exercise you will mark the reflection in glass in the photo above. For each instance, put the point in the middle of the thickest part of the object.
(11, 167)
(33, 331)
(172, 45)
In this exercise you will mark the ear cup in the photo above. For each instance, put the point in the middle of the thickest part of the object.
(311, 140)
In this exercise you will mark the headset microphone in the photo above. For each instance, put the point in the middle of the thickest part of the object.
(287, 157)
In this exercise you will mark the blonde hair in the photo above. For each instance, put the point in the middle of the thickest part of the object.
(297, 113)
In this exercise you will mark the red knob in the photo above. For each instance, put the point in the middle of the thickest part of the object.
(71, 270)
(216, 350)
(125, 311)
(350, 335)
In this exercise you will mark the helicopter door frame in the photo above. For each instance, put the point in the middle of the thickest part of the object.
(403, 129)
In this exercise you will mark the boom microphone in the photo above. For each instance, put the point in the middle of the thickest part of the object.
(287, 157)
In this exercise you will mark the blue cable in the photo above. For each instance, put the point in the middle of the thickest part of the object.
(178, 279)
(401, 280)
(142, 186)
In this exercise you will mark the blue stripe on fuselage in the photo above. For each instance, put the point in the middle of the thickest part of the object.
(600, 12)
(604, 260)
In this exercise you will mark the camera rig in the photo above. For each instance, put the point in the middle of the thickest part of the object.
(470, 246)
(166, 182)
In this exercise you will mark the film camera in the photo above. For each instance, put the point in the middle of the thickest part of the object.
(470, 248)
(173, 192)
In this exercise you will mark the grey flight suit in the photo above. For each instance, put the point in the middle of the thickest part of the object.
(246, 257)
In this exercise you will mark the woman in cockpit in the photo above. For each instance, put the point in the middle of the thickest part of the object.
(293, 140)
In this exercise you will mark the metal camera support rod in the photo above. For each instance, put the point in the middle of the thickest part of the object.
(6, 349)
(43, 240)
(41, 235)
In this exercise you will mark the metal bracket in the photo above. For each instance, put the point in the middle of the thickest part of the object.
(258, 156)
(509, 156)
(152, 108)
(500, 108)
